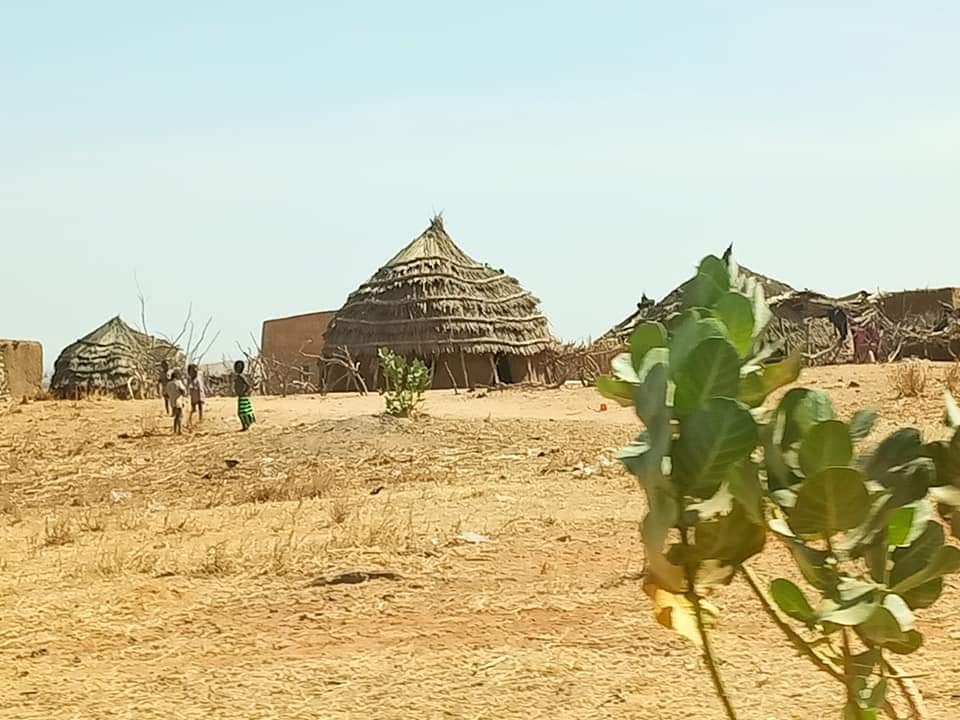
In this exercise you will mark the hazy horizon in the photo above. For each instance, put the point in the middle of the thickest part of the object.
(260, 163)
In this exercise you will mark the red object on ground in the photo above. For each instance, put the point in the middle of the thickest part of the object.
(603, 407)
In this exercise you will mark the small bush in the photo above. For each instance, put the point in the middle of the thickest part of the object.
(910, 378)
(405, 382)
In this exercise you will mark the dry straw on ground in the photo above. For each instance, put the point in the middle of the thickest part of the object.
(174, 585)
(910, 378)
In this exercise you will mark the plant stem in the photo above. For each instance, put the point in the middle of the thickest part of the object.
(848, 676)
(801, 645)
(702, 628)
(909, 690)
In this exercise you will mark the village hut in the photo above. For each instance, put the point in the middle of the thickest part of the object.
(816, 325)
(471, 323)
(113, 360)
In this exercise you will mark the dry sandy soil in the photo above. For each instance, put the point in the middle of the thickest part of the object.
(151, 576)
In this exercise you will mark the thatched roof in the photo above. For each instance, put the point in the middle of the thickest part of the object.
(114, 359)
(432, 298)
(773, 290)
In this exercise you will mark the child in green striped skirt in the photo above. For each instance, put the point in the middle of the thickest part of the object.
(242, 387)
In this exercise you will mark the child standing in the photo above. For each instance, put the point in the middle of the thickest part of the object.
(242, 387)
(176, 391)
(162, 383)
(198, 392)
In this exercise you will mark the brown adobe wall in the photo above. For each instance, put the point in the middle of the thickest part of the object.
(22, 368)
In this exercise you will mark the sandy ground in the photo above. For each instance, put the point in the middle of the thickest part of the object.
(150, 576)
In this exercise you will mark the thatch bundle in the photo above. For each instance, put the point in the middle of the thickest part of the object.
(432, 299)
(114, 360)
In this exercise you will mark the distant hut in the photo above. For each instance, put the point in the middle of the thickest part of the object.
(471, 323)
(773, 290)
(113, 360)
(816, 325)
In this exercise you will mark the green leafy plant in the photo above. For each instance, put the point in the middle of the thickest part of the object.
(405, 381)
(719, 471)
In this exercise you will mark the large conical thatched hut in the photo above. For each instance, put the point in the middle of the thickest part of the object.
(114, 360)
(473, 324)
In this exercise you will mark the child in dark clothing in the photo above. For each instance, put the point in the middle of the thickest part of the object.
(162, 383)
(241, 386)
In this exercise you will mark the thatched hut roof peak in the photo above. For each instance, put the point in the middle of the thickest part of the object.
(432, 244)
(432, 297)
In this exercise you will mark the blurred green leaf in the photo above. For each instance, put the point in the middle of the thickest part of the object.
(952, 412)
(744, 484)
(851, 589)
(889, 624)
(862, 424)
(644, 338)
(849, 615)
(710, 283)
(945, 561)
(894, 451)
(622, 368)
(758, 384)
(711, 370)
(914, 559)
(730, 540)
(617, 390)
(799, 410)
(650, 404)
(761, 309)
(827, 444)
(833, 500)
(689, 334)
(945, 456)
(662, 514)
(924, 596)
(791, 600)
(736, 312)
(712, 440)
(811, 562)
(906, 524)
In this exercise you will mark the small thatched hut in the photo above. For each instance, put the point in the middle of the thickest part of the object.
(114, 360)
(471, 323)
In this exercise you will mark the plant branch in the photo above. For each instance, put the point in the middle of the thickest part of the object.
(801, 645)
(701, 627)
(907, 687)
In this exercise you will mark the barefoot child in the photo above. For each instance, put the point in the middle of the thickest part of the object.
(176, 391)
(198, 392)
(242, 387)
(162, 383)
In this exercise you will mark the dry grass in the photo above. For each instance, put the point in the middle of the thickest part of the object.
(185, 594)
(952, 379)
(910, 378)
(57, 530)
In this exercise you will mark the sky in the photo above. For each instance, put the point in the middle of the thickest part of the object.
(262, 159)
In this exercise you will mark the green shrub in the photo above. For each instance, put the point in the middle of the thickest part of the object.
(722, 474)
(405, 381)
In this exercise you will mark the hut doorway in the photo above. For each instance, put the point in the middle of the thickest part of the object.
(504, 372)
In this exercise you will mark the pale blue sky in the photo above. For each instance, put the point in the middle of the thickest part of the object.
(264, 158)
